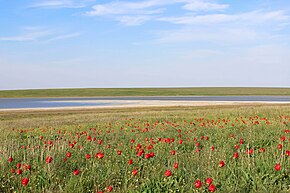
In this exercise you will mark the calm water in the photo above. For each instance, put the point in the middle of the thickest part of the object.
(45, 103)
(7, 103)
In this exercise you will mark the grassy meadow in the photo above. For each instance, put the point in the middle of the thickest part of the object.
(192, 149)
(98, 92)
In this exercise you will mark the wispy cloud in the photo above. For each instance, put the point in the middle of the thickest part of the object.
(251, 17)
(224, 36)
(149, 6)
(124, 11)
(197, 5)
(29, 34)
(61, 4)
(125, 8)
(134, 20)
(39, 34)
(194, 12)
(62, 37)
(226, 29)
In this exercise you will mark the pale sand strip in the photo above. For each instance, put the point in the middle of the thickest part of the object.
(147, 103)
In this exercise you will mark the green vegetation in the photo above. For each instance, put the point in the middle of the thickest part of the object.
(96, 92)
(201, 137)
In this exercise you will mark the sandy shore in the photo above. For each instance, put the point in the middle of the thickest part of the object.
(147, 103)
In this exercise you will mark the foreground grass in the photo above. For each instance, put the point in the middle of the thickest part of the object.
(95, 92)
(200, 136)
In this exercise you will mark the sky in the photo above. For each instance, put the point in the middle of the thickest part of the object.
(144, 43)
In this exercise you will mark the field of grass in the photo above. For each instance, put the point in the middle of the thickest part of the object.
(241, 149)
(95, 92)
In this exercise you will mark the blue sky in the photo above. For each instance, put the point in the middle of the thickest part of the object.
(144, 43)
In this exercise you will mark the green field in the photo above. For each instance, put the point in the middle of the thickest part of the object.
(96, 92)
(252, 141)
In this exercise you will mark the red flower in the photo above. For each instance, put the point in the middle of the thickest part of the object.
(134, 172)
(262, 150)
(288, 152)
(88, 156)
(109, 188)
(19, 171)
(76, 172)
(147, 156)
(208, 181)
(249, 151)
(282, 138)
(99, 155)
(24, 181)
(236, 155)
(277, 167)
(279, 146)
(18, 165)
(119, 152)
(68, 154)
(221, 164)
(237, 146)
(212, 188)
(168, 173)
(197, 183)
(48, 160)
(26, 167)
(173, 152)
(241, 141)
(10, 159)
(130, 162)
(175, 165)
(140, 153)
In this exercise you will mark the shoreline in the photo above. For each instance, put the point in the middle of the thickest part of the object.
(121, 104)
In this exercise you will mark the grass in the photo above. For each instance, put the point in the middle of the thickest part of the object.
(199, 128)
(97, 92)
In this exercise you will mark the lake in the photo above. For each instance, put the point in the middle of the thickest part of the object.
(20, 103)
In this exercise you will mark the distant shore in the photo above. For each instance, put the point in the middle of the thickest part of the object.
(174, 91)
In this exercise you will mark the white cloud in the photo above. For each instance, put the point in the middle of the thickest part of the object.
(61, 4)
(223, 36)
(226, 29)
(124, 7)
(197, 5)
(62, 37)
(30, 34)
(250, 17)
(39, 34)
(134, 20)
(195, 13)
(127, 10)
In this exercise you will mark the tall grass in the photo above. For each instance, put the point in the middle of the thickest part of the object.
(201, 138)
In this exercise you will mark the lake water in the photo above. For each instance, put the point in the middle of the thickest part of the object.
(13, 103)
(45, 103)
